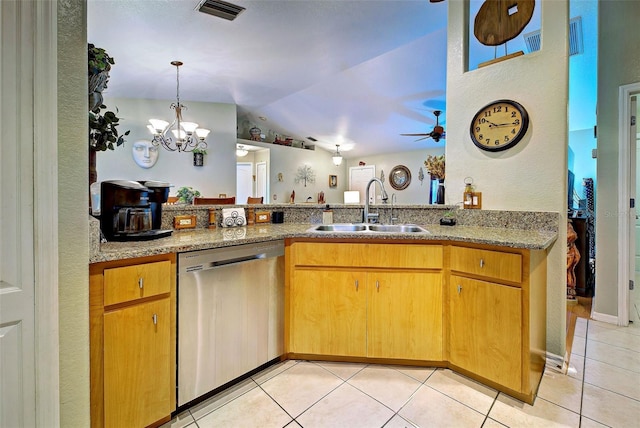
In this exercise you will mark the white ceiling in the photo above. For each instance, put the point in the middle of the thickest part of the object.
(362, 71)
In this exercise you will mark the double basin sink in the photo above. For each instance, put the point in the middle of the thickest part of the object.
(364, 228)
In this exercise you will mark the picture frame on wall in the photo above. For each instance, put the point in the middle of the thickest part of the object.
(333, 181)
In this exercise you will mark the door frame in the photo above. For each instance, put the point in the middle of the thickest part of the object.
(626, 217)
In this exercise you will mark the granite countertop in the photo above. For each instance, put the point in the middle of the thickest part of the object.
(202, 238)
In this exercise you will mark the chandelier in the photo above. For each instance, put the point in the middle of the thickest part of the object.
(178, 135)
(337, 157)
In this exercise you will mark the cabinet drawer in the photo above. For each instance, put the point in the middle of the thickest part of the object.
(128, 283)
(368, 255)
(488, 263)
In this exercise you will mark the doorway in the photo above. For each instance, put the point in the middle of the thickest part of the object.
(262, 182)
(244, 181)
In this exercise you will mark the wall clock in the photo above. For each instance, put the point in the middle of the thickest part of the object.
(499, 125)
(400, 177)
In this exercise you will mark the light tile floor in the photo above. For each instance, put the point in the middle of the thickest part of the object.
(601, 388)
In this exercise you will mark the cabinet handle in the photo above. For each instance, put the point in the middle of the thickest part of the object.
(481, 263)
(140, 282)
(377, 285)
(459, 288)
(356, 285)
(155, 319)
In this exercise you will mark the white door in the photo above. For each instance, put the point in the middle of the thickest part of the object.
(261, 181)
(359, 177)
(244, 182)
(28, 223)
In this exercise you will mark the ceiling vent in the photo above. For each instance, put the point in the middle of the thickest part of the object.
(221, 9)
(533, 40)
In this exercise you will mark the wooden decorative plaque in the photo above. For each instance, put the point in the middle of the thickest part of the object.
(184, 222)
(263, 217)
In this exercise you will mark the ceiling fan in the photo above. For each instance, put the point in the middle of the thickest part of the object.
(436, 134)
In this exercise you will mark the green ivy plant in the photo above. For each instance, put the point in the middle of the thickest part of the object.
(186, 194)
(201, 151)
(103, 131)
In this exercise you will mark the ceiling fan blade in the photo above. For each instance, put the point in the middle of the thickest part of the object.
(416, 135)
(423, 138)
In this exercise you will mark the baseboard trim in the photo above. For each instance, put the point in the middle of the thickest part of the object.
(611, 319)
(557, 363)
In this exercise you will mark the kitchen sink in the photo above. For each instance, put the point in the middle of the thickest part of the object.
(340, 228)
(397, 228)
(365, 228)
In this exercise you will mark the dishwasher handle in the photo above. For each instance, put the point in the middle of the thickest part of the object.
(220, 263)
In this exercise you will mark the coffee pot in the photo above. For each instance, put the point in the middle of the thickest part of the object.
(126, 212)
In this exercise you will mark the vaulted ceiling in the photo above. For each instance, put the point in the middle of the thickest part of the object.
(352, 72)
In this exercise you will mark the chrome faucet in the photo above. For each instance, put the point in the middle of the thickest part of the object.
(373, 217)
(392, 219)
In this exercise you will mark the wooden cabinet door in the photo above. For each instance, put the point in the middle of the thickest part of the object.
(328, 312)
(486, 330)
(137, 368)
(404, 315)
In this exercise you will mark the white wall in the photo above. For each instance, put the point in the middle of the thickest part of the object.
(73, 200)
(416, 193)
(218, 175)
(618, 64)
(531, 175)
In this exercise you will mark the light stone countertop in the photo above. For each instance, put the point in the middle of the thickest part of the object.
(202, 238)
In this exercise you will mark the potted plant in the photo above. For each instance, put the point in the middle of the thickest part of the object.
(186, 194)
(198, 157)
(103, 131)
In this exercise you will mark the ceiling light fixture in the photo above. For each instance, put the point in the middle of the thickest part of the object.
(186, 135)
(241, 151)
(337, 157)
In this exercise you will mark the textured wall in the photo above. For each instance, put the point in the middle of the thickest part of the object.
(619, 64)
(73, 199)
(531, 175)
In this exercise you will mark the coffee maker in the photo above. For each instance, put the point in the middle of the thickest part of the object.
(158, 195)
(126, 211)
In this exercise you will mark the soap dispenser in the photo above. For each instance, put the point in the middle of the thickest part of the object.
(327, 215)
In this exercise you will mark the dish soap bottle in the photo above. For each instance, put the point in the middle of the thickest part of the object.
(327, 215)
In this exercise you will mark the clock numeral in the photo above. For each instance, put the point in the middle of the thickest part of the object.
(497, 142)
(477, 129)
(516, 122)
(513, 114)
(513, 131)
(487, 113)
(480, 136)
(497, 109)
(488, 141)
(482, 120)
(506, 138)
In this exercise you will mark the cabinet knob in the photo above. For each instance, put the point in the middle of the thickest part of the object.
(377, 285)
(481, 263)
(356, 285)
(459, 288)
(140, 282)
(155, 319)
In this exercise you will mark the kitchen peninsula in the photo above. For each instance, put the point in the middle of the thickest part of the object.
(470, 297)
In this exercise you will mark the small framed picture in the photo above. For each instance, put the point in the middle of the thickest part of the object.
(333, 181)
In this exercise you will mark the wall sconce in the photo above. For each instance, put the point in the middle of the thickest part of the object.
(337, 157)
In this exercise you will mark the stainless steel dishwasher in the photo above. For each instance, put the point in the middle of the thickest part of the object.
(230, 314)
